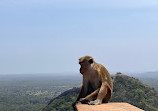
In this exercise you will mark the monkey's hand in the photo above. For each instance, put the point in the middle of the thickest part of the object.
(96, 102)
(83, 100)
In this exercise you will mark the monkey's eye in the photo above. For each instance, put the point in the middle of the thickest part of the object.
(81, 62)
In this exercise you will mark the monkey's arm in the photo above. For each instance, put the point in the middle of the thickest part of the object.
(81, 93)
(90, 96)
(102, 93)
(78, 98)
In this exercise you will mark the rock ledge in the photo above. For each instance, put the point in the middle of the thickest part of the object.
(107, 107)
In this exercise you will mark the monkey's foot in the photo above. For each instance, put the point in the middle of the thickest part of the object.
(96, 102)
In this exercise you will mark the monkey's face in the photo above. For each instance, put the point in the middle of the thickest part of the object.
(85, 65)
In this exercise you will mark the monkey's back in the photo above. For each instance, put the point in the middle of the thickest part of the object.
(104, 74)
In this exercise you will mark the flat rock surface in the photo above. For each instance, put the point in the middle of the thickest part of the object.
(108, 107)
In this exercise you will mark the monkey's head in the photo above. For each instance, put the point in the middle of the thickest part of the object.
(85, 63)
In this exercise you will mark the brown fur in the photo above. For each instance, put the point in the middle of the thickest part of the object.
(97, 83)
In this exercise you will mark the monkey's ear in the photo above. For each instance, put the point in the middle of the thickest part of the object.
(91, 61)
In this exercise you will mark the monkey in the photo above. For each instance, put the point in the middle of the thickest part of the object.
(97, 85)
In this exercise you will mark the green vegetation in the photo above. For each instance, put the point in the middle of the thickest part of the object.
(31, 92)
(34, 92)
(63, 102)
(126, 89)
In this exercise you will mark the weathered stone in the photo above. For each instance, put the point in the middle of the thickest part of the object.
(107, 107)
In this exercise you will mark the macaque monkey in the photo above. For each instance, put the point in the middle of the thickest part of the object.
(97, 83)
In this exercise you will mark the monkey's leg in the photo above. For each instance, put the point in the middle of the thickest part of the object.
(90, 96)
(102, 93)
(107, 96)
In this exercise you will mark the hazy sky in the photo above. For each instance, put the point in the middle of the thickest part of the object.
(48, 36)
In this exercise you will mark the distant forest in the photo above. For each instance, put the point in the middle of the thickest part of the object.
(33, 92)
